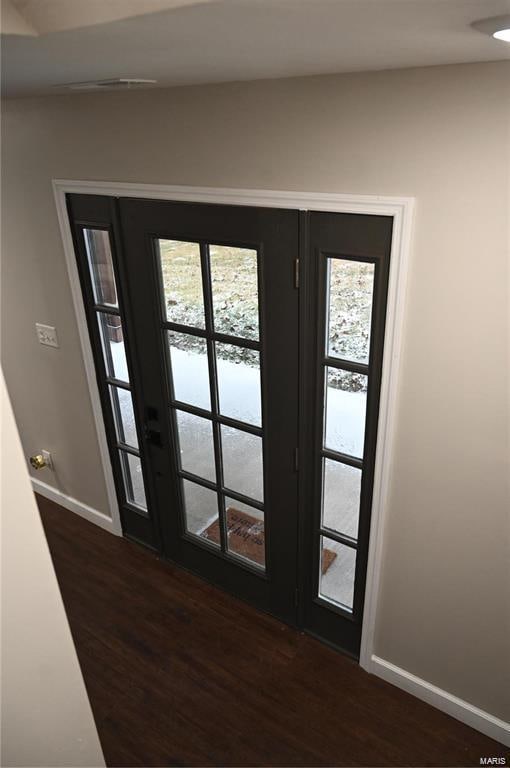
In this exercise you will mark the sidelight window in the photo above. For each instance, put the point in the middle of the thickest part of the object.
(346, 375)
(117, 379)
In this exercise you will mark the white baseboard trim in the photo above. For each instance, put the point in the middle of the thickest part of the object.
(482, 721)
(78, 507)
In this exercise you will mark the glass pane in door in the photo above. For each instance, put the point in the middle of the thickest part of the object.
(190, 369)
(97, 244)
(201, 512)
(242, 462)
(234, 283)
(245, 531)
(196, 445)
(181, 279)
(238, 371)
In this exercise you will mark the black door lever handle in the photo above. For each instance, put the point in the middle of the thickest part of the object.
(151, 430)
(153, 436)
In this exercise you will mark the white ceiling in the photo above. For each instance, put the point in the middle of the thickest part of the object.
(43, 16)
(205, 41)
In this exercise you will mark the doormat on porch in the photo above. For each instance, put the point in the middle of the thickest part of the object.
(246, 537)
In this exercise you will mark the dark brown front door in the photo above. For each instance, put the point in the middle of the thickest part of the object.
(240, 390)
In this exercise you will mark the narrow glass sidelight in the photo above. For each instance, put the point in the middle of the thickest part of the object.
(346, 375)
(106, 311)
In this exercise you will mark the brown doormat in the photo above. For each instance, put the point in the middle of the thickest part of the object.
(246, 537)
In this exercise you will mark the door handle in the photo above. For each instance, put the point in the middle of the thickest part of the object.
(152, 431)
(153, 436)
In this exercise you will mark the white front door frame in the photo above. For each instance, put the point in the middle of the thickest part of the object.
(399, 208)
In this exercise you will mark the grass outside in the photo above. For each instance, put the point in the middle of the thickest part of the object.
(235, 303)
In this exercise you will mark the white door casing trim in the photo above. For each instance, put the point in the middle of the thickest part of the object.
(400, 208)
(59, 190)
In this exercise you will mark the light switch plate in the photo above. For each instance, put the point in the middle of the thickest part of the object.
(47, 334)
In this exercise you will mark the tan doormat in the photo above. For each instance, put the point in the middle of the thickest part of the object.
(246, 537)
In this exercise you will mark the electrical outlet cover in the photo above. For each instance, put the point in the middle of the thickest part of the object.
(47, 458)
(47, 334)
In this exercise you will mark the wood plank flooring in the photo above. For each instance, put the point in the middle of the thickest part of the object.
(181, 674)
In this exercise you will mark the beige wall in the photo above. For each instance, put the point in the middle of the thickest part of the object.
(439, 134)
(46, 715)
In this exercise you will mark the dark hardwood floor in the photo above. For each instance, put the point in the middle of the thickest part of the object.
(181, 674)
